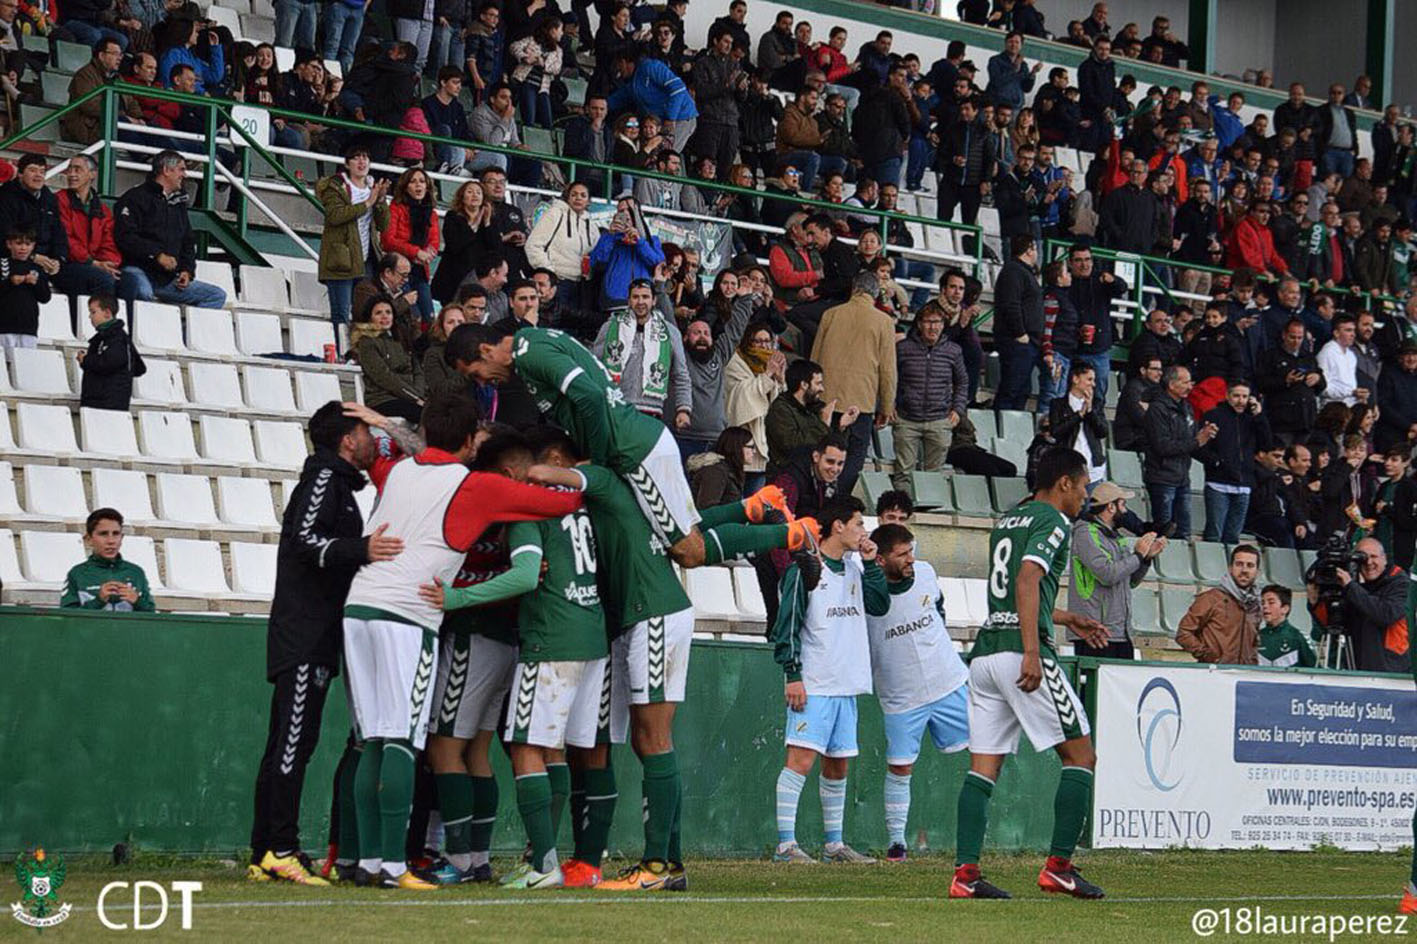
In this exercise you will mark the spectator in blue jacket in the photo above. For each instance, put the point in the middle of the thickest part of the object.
(1010, 78)
(626, 252)
(651, 87)
(211, 71)
(1203, 163)
(1228, 123)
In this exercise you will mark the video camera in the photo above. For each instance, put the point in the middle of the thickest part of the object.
(1334, 556)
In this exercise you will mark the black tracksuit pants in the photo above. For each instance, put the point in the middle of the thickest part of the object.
(297, 707)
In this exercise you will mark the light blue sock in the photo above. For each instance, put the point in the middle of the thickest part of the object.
(833, 793)
(897, 805)
(789, 791)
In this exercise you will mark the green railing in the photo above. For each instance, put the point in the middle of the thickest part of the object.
(218, 112)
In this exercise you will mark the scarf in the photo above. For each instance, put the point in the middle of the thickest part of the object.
(1248, 599)
(420, 218)
(757, 360)
(620, 342)
(1318, 239)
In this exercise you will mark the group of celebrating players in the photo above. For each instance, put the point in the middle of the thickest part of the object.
(521, 587)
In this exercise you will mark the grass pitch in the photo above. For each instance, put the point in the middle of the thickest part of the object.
(1151, 897)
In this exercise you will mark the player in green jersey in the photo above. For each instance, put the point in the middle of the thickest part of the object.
(1015, 683)
(573, 388)
(560, 696)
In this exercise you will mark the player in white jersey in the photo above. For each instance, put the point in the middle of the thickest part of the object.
(820, 642)
(439, 509)
(920, 680)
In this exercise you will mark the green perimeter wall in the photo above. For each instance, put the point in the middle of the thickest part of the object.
(143, 729)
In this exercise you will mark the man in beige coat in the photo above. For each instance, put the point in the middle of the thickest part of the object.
(1222, 624)
(856, 348)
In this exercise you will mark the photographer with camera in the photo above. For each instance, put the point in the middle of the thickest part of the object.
(1370, 611)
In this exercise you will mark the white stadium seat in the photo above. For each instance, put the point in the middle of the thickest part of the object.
(107, 433)
(264, 287)
(210, 271)
(281, 445)
(307, 292)
(956, 602)
(308, 336)
(711, 592)
(245, 502)
(125, 490)
(9, 501)
(40, 370)
(54, 323)
(46, 428)
(158, 327)
(977, 600)
(161, 384)
(210, 331)
(215, 385)
(314, 389)
(7, 441)
(46, 556)
(10, 574)
(141, 550)
(195, 566)
(4, 374)
(258, 333)
(750, 595)
(253, 568)
(185, 498)
(54, 491)
(267, 389)
(166, 435)
(226, 439)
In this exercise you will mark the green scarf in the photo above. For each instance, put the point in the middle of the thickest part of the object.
(1318, 238)
(620, 342)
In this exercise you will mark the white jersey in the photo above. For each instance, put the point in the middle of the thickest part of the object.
(414, 504)
(913, 661)
(836, 657)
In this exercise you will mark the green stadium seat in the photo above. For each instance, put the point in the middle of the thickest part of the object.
(1124, 468)
(930, 489)
(1197, 502)
(1017, 426)
(1174, 564)
(29, 114)
(884, 444)
(1146, 612)
(448, 189)
(538, 140)
(986, 425)
(872, 485)
(1008, 492)
(71, 57)
(1211, 562)
(1017, 453)
(575, 90)
(1299, 615)
(1306, 560)
(55, 86)
(971, 496)
(1174, 604)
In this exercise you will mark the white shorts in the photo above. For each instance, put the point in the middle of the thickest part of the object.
(474, 676)
(389, 673)
(1050, 714)
(663, 492)
(649, 664)
(555, 704)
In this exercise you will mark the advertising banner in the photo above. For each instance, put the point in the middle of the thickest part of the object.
(1221, 758)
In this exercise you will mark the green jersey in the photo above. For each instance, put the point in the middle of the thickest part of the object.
(82, 584)
(574, 388)
(561, 620)
(1034, 531)
(486, 559)
(1284, 645)
(637, 579)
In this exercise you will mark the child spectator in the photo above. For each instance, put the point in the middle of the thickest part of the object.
(23, 288)
(106, 581)
(111, 362)
(1280, 643)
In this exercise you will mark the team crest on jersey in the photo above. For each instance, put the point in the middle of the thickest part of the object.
(925, 599)
(801, 727)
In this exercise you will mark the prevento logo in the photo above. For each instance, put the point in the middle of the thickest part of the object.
(1159, 732)
(39, 879)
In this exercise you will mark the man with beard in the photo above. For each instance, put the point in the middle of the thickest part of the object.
(798, 417)
(644, 352)
(707, 357)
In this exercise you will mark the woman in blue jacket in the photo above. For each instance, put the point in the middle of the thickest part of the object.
(211, 71)
(627, 251)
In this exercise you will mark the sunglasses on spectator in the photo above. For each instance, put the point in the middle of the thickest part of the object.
(791, 173)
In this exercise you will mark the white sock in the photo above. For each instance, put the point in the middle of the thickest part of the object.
(371, 865)
(395, 868)
(460, 860)
(897, 805)
(789, 791)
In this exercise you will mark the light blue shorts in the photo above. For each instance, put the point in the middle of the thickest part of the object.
(948, 721)
(826, 724)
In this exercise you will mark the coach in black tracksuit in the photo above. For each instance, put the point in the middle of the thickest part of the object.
(321, 548)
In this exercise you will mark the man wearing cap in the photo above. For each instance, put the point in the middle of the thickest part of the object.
(1106, 570)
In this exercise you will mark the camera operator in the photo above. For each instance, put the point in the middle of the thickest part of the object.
(1370, 611)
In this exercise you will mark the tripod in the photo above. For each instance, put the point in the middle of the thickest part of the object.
(1336, 650)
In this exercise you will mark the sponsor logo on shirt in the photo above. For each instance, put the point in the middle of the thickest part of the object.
(837, 611)
(906, 628)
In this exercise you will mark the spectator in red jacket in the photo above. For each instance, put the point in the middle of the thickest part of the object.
(163, 114)
(94, 261)
(1251, 245)
(413, 232)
